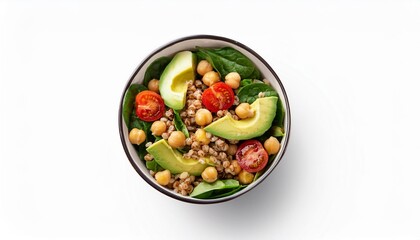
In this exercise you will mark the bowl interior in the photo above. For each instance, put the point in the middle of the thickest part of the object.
(189, 43)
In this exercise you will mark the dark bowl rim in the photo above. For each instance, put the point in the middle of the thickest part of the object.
(174, 195)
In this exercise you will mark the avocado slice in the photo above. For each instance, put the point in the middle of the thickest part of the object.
(173, 81)
(229, 128)
(172, 159)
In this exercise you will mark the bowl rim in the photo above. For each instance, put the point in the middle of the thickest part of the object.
(175, 195)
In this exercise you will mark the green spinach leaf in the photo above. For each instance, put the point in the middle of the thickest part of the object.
(227, 59)
(136, 122)
(249, 93)
(129, 99)
(155, 69)
(157, 138)
(179, 124)
(211, 190)
(245, 82)
(153, 165)
(228, 193)
(204, 189)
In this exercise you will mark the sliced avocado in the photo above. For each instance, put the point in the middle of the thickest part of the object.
(229, 128)
(173, 81)
(172, 159)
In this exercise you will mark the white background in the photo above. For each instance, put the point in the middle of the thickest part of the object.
(351, 71)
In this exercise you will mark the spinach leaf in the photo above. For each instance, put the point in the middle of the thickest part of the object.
(141, 150)
(155, 69)
(249, 93)
(153, 165)
(212, 190)
(228, 193)
(179, 124)
(129, 99)
(248, 81)
(227, 59)
(157, 138)
(136, 122)
(204, 189)
(245, 82)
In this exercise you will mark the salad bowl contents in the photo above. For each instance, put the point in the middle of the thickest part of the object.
(204, 119)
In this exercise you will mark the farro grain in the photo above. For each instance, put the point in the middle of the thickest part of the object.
(205, 148)
(213, 139)
(226, 164)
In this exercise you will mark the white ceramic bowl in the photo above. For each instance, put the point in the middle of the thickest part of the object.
(189, 43)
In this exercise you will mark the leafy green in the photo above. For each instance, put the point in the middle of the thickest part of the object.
(249, 93)
(245, 82)
(136, 122)
(141, 150)
(155, 69)
(129, 99)
(157, 138)
(219, 188)
(227, 59)
(183, 150)
(248, 81)
(228, 193)
(204, 189)
(153, 165)
(179, 124)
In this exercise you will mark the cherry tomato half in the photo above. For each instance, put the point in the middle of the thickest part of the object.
(218, 97)
(149, 106)
(251, 156)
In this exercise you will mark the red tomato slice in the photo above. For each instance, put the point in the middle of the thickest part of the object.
(218, 97)
(149, 106)
(251, 156)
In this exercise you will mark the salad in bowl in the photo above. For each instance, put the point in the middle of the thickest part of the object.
(200, 120)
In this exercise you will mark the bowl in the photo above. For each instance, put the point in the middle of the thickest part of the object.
(190, 43)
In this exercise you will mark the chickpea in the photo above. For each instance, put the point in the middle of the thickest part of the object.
(236, 167)
(233, 79)
(203, 117)
(153, 85)
(163, 177)
(232, 149)
(245, 177)
(201, 136)
(209, 174)
(272, 145)
(211, 78)
(137, 136)
(158, 127)
(204, 67)
(176, 139)
(244, 110)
